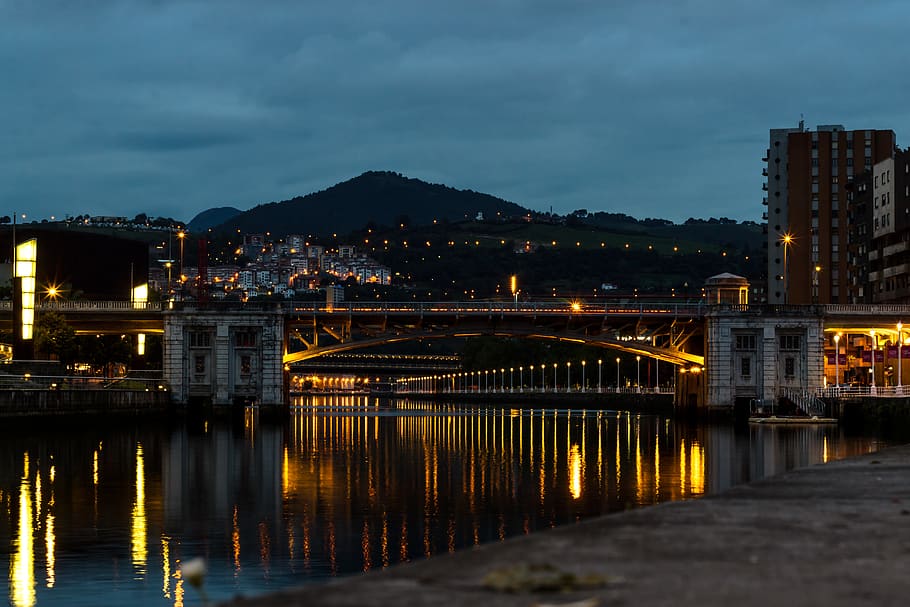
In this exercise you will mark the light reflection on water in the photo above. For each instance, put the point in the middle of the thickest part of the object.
(344, 485)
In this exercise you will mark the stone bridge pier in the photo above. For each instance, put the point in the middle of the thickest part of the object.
(225, 357)
(754, 352)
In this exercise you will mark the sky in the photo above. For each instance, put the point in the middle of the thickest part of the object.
(654, 109)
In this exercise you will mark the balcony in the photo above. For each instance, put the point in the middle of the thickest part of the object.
(764, 186)
(898, 247)
(764, 172)
(764, 201)
(897, 270)
(874, 276)
(764, 216)
(767, 153)
(873, 255)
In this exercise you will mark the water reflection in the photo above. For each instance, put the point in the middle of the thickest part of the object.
(344, 486)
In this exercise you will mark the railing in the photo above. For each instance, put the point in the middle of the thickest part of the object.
(805, 400)
(27, 381)
(875, 391)
(497, 307)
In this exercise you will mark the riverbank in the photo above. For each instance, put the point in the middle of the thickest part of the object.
(833, 534)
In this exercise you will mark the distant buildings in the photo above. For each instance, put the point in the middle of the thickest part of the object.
(285, 267)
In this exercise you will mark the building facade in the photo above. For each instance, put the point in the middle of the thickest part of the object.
(889, 250)
(808, 174)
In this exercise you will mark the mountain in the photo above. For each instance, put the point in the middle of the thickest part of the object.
(378, 197)
(211, 218)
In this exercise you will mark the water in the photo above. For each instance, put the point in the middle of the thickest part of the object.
(103, 515)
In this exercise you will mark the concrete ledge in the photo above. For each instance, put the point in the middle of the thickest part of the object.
(835, 534)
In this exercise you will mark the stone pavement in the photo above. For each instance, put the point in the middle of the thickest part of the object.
(833, 534)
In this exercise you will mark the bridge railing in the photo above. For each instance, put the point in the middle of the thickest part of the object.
(496, 307)
(27, 381)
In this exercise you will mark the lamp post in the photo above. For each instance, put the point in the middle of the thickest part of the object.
(569, 376)
(502, 380)
(900, 345)
(513, 283)
(638, 372)
(599, 374)
(872, 358)
(787, 239)
(657, 375)
(583, 387)
(531, 387)
(494, 380)
(837, 361)
(486, 380)
(543, 379)
(617, 374)
(554, 378)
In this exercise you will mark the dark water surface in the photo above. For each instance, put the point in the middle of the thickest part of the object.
(103, 515)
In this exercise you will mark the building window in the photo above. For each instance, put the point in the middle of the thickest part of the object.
(245, 338)
(745, 367)
(790, 343)
(789, 367)
(745, 342)
(200, 339)
(246, 364)
(199, 363)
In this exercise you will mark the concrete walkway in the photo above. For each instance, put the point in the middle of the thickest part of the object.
(834, 534)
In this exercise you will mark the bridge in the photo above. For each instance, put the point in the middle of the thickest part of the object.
(228, 352)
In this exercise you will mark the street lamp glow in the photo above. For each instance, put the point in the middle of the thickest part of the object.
(900, 344)
(837, 361)
(872, 358)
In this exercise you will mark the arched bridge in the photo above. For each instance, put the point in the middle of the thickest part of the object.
(659, 330)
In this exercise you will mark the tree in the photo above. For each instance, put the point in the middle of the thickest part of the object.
(54, 338)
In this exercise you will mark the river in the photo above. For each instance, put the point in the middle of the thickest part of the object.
(103, 513)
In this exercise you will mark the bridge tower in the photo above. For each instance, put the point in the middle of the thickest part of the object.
(225, 355)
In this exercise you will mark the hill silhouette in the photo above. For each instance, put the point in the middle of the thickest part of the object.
(382, 198)
(211, 218)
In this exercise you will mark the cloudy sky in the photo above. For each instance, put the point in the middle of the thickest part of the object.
(655, 109)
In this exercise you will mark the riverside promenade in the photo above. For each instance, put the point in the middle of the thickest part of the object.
(833, 534)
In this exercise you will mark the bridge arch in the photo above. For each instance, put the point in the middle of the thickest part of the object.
(669, 355)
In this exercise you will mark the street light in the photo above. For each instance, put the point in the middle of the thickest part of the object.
(900, 344)
(569, 376)
(787, 239)
(599, 373)
(837, 361)
(502, 381)
(486, 380)
(872, 335)
(583, 363)
(555, 383)
(513, 283)
(617, 374)
(494, 380)
(532, 378)
(638, 372)
(521, 379)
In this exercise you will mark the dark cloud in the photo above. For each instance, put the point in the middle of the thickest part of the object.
(654, 108)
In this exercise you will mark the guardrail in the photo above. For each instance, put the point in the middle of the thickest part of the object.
(27, 381)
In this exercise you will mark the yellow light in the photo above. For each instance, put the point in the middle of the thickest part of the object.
(25, 266)
(138, 546)
(140, 344)
(140, 296)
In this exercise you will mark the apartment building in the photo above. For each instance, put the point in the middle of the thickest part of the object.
(809, 174)
(889, 251)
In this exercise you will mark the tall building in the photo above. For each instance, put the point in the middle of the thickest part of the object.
(808, 173)
(889, 251)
